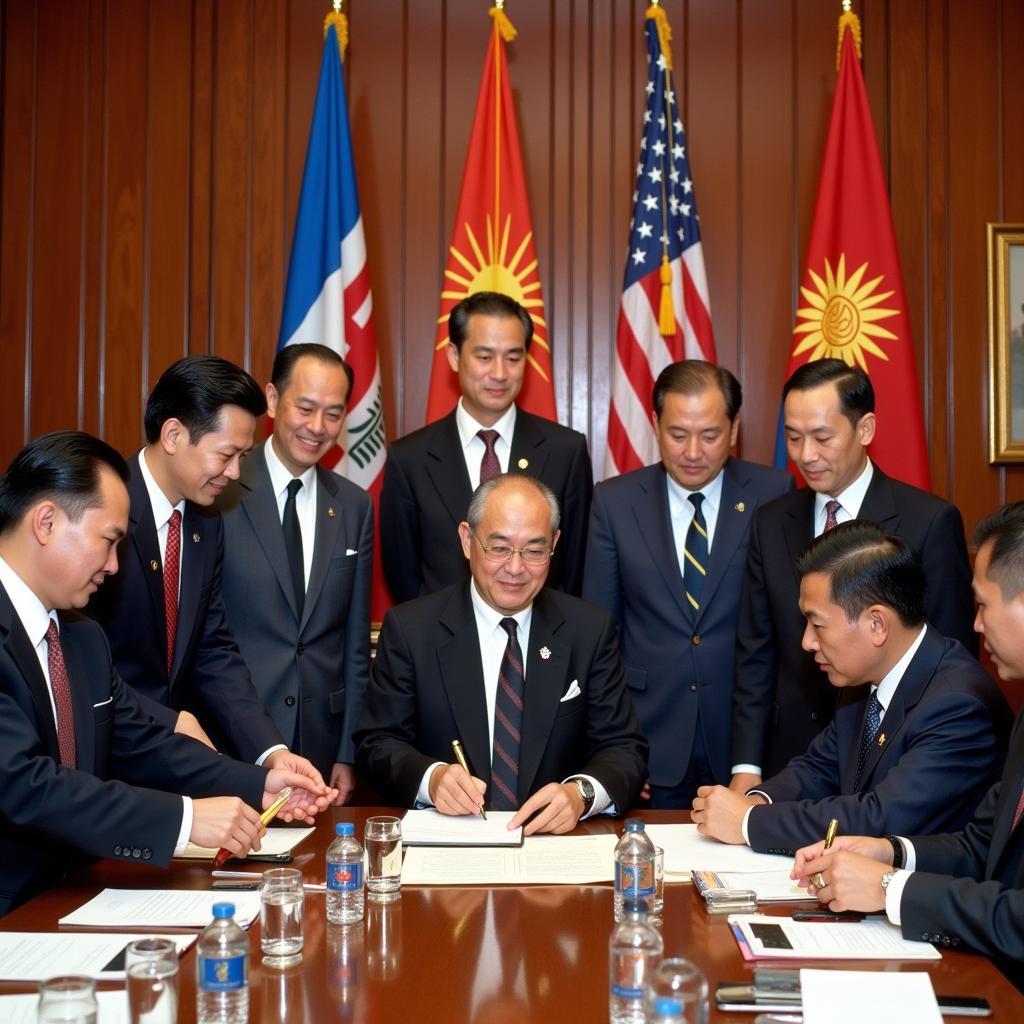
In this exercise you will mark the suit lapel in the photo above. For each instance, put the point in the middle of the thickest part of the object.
(23, 655)
(330, 519)
(462, 676)
(196, 547)
(654, 526)
(798, 528)
(545, 684)
(147, 547)
(446, 467)
(879, 505)
(81, 700)
(1002, 827)
(529, 451)
(729, 529)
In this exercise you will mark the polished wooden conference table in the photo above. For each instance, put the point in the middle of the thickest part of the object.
(475, 954)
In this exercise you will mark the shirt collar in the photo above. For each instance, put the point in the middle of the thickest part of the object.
(487, 618)
(852, 498)
(281, 475)
(35, 618)
(712, 491)
(468, 427)
(887, 687)
(161, 507)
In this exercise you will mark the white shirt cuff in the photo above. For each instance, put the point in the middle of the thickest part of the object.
(746, 769)
(186, 826)
(909, 854)
(266, 753)
(894, 894)
(423, 793)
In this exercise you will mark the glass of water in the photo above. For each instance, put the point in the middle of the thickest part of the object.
(68, 999)
(153, 991)
(150, 949)
(659, 885)
(677, 990)
(383, 842)
(281, 901)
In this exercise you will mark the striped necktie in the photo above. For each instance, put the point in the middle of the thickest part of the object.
(831, 510)
(872, 720)
(508, 724)
(695, 553)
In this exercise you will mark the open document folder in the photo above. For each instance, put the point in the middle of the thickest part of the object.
(429, 827)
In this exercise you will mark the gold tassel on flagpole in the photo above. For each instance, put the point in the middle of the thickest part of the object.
(848, 20)
(666, 310)
(505, 27)
(660, 18)
(340, 23)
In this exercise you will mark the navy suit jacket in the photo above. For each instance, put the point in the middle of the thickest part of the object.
(781, 699)
(947, 720)
(310, 670)
(208, 676)
(679, 664)
(427, 688)
(968, 887)
(51, 817)
(426, 495)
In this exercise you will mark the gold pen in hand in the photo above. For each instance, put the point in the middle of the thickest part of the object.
(830, 835)
(461, 758)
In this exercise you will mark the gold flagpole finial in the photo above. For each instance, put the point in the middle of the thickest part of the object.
(504, 26)
(848, 20)
(340, 23)
(660, 18)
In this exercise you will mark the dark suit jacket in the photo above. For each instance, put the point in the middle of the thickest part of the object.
(208, 676)
(982, 905)
(679, 664)
(310, 672)
(426, 689)
(781, 699)
(50, 817)
(426, 495)
(944, 744)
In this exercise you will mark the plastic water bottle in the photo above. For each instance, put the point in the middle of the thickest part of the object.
(633, 954)
(345, 893)
(634, 867)
(222, 970)
(666, 1010)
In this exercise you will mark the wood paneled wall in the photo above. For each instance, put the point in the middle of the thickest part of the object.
(152, 156)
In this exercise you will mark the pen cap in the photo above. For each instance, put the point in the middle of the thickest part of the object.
(223, 910)
(344, 828)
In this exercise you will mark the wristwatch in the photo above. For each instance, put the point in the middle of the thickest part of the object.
(886, 879)
(586, 793)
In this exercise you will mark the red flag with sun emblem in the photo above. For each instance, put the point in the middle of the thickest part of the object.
(492, 242)
(853, 306)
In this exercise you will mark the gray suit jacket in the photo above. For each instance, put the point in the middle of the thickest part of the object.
(310, 672)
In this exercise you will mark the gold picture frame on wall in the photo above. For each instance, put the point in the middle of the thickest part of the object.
(1006, 342)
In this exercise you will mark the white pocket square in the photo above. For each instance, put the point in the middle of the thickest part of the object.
(573, 691)
(103, 703)
(351, 551)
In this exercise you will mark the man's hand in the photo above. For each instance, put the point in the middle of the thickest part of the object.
(559, 807)
(225, 822)
(852, 881)
(877, 849)
(452, 790)
(718, 812)
(188, 725)
(343, 779)
(645, 793)
(309, 797)
(742, 781)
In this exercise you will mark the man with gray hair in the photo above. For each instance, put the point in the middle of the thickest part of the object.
(526, 678)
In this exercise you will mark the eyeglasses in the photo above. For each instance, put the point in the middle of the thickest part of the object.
(531, 555)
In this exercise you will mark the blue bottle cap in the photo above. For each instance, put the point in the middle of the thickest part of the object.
(666, 1006)
(221, 910)
(634, 825)
(345, 828)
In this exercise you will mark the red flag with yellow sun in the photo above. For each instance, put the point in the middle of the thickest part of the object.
(853, 306)
(492, 242)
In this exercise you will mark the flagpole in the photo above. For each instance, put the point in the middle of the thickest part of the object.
(848, 20)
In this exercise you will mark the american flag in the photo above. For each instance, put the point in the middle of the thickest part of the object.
(665, 227)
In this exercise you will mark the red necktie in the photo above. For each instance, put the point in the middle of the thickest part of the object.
(490, 467)
(61, 697)
(172, 560)
(1019, 813)
(831, 508)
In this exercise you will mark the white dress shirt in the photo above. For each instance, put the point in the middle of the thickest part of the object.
(473, 447)
(681, 510)
(305, 502)
(35, 620)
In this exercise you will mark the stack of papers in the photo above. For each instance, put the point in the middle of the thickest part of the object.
(687, 850)
(275, 841)
(31, 956)
(160, 908)
(770, 886)
(112, 1007)
(850, 997)
(429, 827)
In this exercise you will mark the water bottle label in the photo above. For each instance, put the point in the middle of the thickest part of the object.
(624, 992)
(345, 876)
(635, 880)
(222, 974)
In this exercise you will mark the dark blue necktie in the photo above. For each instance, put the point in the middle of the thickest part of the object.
(695, 566)
(872, 720)
(508, 724)
(293, 543)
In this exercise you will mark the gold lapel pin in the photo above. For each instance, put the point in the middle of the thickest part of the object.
(740, 507)
(154, 565)
(330, 512)
(195, 538)
(881, 740)
(523, 463)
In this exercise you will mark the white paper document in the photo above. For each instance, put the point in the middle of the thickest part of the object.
(851, 997)
(541, 860)
(160, 908)
(686, 850)
(770, 886)
(874, 938)
(32, 956)
(275, 842)
(21, 1009)
(429, 827)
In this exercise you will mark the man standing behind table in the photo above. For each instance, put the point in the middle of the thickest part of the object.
(163, 613)
(431, 474)
(666, 549)
(914, 711)
(526, 677)
(87, 773)
(780, 700)
(298, 559)
(964, 889)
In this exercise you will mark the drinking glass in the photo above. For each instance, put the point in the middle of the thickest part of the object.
(153, 991)
(67, 999)
(281, 902)
(383, 841)
(659, 884)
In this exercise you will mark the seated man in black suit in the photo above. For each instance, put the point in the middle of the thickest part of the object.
(914, 710)
(963, 888)
(86, 771)
(431, 473)
(780, 701)
(528, 678)
(164, 612)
